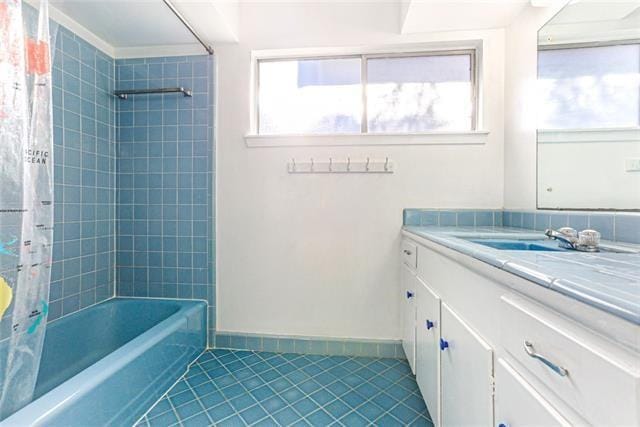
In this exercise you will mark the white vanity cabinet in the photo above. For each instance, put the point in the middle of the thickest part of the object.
(466, 374)
(408, 282)
(490, 348)
(427, 347)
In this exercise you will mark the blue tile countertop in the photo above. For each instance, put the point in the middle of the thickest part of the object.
(608, 281)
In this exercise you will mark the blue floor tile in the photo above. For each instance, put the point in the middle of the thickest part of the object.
(242, 388)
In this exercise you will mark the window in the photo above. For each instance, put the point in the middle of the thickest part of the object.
(407, 93)
(589, 87)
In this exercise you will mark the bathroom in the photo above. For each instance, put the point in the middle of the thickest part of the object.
(377, 212)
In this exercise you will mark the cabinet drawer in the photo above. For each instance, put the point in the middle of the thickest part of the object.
(518, 404)
(409, 254)
(601, 382)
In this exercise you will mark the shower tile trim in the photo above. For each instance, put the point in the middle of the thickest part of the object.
(310, 345)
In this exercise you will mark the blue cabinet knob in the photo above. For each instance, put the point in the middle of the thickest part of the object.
(503, 425)
(443, 344)
(409, 294)
(429, 324)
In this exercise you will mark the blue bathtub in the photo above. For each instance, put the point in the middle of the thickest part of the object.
(107, 364)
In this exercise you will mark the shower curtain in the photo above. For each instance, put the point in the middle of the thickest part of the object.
(26, 197)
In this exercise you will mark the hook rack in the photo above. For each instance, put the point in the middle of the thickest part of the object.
(347, 165)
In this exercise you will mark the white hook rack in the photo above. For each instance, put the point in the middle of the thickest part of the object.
(347, 165)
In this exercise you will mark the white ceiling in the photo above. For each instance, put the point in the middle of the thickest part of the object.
(150, 23)
(148, 27)
(422, 16)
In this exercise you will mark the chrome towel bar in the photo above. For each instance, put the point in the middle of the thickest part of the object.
(124, 94)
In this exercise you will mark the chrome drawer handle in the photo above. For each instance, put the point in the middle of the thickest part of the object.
(528, 347)
(407, 252)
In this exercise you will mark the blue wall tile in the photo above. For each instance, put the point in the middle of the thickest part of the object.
(83, 270)
(602, 223)
(627, 228)
(165, 186)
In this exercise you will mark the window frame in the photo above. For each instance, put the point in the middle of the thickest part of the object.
(364, 58)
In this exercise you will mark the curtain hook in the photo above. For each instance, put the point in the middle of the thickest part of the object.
(348, 164)
(367, 165)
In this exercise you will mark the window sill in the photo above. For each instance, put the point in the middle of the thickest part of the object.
(427, 138)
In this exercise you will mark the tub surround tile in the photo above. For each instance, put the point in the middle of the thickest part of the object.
(229, 387)
(84, 175)
(608, 281)
(165, 187)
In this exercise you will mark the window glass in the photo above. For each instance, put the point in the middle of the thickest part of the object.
(310, 96)
(422, 93)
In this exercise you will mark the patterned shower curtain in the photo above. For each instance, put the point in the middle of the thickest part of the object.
(26, 199)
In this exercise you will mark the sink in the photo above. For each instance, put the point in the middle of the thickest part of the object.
(519, 245)
(545, 245)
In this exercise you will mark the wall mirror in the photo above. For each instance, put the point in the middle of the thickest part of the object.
(588, 107)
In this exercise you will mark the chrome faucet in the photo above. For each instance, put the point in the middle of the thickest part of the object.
(569, 238)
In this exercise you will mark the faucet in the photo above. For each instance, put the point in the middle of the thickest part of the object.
(568, 238)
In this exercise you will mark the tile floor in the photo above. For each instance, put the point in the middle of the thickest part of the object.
(238, 388)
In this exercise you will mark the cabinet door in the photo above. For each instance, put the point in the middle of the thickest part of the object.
(466, 375)
(518, 404)
(427, 348)
(408, 312)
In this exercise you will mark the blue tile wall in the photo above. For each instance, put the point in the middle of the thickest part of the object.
(84, 175)
(452, 217)
(165, 182)
(614, 226)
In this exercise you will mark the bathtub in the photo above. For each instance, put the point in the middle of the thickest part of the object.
(107, 364)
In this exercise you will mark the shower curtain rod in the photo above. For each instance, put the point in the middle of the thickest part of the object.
(182, 19)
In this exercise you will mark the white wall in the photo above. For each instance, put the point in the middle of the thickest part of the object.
(317, 254)
(521, 47)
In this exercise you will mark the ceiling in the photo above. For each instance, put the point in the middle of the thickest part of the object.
(150, 23)
(421, 16)
(148, 27)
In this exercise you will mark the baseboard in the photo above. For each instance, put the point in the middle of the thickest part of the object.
(309, 345)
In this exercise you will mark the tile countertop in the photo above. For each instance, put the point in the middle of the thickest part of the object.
(608, 281)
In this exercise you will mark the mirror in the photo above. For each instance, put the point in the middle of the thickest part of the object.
(588, 103)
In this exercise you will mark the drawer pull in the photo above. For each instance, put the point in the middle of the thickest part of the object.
(528, 347)
(429, 324)
(409, 294)
(407, 252)
(444, 344)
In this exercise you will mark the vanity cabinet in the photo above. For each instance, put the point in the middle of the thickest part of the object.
(466, 373)
(427, 347)
(491, 348)
(408, 282)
